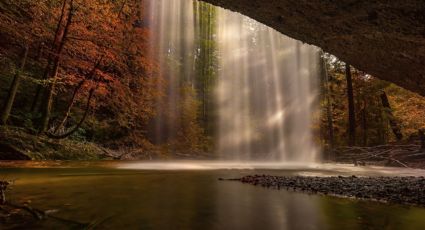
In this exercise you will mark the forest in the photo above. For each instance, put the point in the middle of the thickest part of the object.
(86, 72)
(69, 73)
(159, 114)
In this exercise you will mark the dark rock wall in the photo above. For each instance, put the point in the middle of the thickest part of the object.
(385, 38)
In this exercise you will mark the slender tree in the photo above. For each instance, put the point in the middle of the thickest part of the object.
(90, 76)
(53, 73)
(14, 88)
(327, 90)
(82, 120)
(364, 122)
(422, 139)
(77, 89)
(393, 122)
(351, 107)
(57, 39)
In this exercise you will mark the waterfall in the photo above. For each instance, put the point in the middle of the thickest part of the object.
(266, 85)
(267, 92)
(172, 42)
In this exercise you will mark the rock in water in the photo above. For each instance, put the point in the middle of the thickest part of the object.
(401, 190)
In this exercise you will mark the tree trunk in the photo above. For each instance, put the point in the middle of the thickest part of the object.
(47, 103)
(351, 108)
(393, 122)
(36, 99)
(381, 129)
(75, 129)
(422, 139)
(90, 76)
(70, 105)
(14, 89)
(56, 43)
(364, 123)
(329, 108)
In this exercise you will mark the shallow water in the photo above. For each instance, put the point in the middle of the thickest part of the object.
(188, 195)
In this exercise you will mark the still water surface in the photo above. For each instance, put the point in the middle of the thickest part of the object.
(188, 195)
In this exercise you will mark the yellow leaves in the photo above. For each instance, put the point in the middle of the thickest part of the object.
(408, 107)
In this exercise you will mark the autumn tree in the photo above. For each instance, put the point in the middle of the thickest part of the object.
(22, 26)
(14, 89)
(376, 120)
(89, 59)
(52, 69)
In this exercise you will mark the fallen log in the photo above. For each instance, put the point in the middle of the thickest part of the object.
(42, 215)
(381, 155)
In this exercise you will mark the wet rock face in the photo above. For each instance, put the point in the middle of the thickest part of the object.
(383, 38)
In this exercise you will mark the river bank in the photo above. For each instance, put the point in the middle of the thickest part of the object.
(396, 190)
(20, 144)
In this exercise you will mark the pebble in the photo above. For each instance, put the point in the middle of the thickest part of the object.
(400, 190)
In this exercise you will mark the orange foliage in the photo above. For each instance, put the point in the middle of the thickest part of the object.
(102, 31)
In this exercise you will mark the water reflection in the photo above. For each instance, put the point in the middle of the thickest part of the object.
(195, 199)
(241, 207)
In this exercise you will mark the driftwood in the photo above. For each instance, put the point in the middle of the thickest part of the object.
(42, 215)
(115, 155)
(378, 155)
(37, 213)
